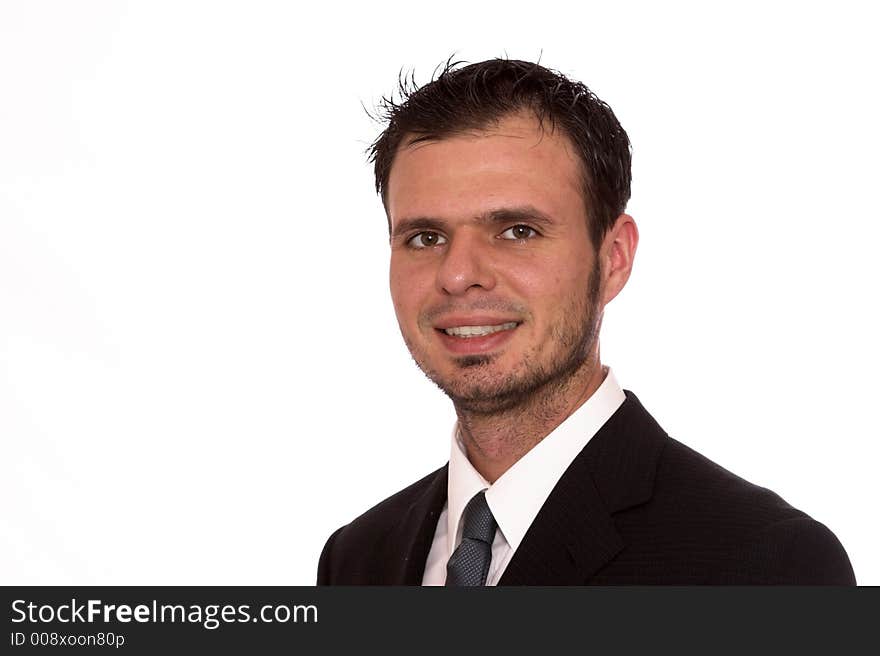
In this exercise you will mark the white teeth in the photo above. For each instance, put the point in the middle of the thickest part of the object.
(478, 331)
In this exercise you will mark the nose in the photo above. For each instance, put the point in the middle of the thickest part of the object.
(466, 263)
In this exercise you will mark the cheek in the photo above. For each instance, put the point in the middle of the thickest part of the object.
(539, 278)
(551, 282)
(408, 294)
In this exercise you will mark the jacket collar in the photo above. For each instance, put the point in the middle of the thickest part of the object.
(408, 545)
(573, 536)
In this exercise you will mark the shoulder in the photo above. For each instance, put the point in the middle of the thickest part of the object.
(369, 533)
(375, 523)
(691, 480)
(730, 530)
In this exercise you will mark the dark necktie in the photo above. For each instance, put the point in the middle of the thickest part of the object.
(469, 563)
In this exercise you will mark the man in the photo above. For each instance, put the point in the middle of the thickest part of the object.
(505, 186)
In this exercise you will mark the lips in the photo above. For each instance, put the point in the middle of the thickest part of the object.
(475, 335)
(458, 320)
(469, 332)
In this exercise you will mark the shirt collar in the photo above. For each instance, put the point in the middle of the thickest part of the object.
(518, 495)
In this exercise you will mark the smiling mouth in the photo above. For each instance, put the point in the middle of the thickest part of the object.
(467, 332)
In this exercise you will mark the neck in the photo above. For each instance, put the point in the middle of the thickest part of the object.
(494, 442)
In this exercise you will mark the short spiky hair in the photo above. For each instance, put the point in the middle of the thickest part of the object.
(478, 96)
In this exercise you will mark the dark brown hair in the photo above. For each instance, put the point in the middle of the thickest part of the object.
(478, 96)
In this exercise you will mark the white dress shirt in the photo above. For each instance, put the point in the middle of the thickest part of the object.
(518, 494)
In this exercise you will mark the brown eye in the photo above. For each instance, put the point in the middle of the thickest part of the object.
(519, 233)
(426, 240)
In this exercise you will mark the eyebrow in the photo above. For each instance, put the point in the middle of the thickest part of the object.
(520, 213)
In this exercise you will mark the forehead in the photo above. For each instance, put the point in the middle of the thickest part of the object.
(515, 162)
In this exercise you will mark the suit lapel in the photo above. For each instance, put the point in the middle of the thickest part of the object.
(408, 544)
(571, 538)
(573, 535)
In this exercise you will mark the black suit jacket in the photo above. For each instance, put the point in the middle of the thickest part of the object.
(634, 507)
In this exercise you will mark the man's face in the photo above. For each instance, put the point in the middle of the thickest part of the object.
(493, 276)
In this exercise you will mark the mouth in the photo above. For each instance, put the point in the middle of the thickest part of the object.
(468, 332)
(476, 339)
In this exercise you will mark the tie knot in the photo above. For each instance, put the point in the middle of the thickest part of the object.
(479, 523)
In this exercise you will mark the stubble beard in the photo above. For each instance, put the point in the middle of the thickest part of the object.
(574, 336)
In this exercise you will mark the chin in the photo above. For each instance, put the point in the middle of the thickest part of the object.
(481, 387)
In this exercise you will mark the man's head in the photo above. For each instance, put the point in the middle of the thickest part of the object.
(475, 97)
(504, 185)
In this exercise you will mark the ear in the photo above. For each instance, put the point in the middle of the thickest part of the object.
(617, 253)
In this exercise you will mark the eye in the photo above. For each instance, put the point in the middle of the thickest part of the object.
(426, 240)
(519, 232)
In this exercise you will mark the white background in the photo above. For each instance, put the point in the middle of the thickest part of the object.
(201, 375)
